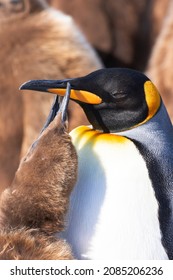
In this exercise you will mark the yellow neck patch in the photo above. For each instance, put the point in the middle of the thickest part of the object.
(152, 98)
(84, 134)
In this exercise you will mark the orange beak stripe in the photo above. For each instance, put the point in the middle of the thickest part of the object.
(81, 95)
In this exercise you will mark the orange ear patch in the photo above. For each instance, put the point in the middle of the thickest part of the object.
(153, 99)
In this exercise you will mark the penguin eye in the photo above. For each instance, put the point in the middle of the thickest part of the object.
(119, 96)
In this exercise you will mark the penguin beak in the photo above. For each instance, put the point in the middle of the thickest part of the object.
(59, 107)
(59, 87)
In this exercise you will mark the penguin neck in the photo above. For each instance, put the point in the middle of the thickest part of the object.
(157, 128)
(159, 124)
(94, 118)
(109, 119)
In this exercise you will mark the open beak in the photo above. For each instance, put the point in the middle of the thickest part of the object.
(59, 87)
(59, 106)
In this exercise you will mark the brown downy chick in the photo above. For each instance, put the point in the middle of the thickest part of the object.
(25, 244)
(35, 205)
(121, 34)
(159, 67)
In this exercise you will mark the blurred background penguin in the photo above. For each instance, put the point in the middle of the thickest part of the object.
(126, 30)
(35, 42)
(159, 67)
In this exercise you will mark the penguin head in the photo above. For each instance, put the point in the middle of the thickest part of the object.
(114, 99)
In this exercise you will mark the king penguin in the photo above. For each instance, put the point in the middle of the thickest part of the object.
(122, 204)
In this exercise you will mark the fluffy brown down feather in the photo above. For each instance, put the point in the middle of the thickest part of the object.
(159, 68)
(33, 208)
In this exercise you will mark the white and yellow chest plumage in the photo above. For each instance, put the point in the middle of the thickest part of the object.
(113, 211)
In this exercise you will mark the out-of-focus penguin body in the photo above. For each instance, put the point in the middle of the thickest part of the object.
(122, 204)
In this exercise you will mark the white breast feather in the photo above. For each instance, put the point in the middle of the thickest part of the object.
(113, 212)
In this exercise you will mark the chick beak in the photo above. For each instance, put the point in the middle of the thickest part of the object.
(59, 106)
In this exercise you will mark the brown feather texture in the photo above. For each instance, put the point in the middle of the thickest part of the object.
(159, 67)
(33, 208)
(32, 245)
(122, 31)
